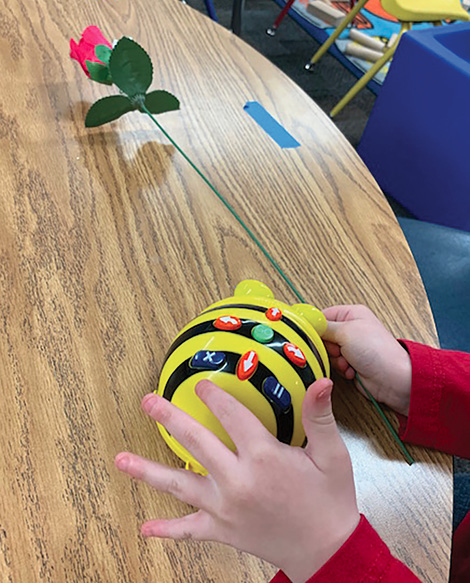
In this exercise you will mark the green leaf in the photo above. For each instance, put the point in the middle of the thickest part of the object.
(107, 109)
(103, 53)
(160, 101)
(99, 72)
(131, 68)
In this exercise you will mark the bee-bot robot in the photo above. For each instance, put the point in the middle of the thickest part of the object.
(262, 351)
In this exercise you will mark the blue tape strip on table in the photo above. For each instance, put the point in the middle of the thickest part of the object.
(272, 127)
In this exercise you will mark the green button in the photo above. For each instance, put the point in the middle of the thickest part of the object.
(262, 333)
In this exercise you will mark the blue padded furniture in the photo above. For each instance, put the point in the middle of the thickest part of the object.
(417, 140)
(211, 10)
(442, 255)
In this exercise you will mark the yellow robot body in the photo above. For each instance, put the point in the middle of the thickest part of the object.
(260, 350)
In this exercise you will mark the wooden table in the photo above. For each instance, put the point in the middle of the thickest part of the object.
(110, 243)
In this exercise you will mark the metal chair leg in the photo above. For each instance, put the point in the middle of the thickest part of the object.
(271, 31)
(370, 73)
(237, 13)
(339, 29)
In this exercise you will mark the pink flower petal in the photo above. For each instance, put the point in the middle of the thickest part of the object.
(85, 50)
(94, 36)
(73, 49)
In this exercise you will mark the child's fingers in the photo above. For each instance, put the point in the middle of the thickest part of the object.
(338, 313)
(332, 348)
(325, 446)
(333, 313)
(197, 439)
(197, 526)
(338, 362)
(182, 484)
(341, 365)
(242, 425)
(348, 312)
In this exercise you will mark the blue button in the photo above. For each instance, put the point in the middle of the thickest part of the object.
(275, 392)
(207, 360)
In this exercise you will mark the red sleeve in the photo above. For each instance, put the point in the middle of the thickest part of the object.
(439, 414)
(439, 418)
(363, 557)
(460, 564)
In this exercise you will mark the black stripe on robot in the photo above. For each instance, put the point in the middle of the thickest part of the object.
(306, 374)
(276, 344)
(285, 421)
(284, 319)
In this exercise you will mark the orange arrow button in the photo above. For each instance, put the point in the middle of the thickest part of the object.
(294, 354)
(274, 314)
(247, 365)
(228, 323)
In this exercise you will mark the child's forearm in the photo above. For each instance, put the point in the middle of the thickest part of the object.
(363, 557)
(440, 400)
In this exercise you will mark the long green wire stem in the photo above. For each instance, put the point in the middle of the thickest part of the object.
(271, 259)
(406, 453)
(229, 206)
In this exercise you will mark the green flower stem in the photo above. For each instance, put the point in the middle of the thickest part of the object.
(408, 457)
(230, 208)
(406, 453)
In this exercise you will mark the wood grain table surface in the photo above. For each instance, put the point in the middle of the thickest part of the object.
(110, 243)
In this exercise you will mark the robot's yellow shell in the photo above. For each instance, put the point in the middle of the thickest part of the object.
(260, 350)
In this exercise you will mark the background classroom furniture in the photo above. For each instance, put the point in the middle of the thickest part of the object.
(298, 13)
(406, 12)
(110, 243)
(443, 258)
(238, 9)
(210, 9)
(416, 141)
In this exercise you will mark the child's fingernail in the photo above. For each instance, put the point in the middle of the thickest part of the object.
(148, 530)
(122, 462)
(325, 393)
(148, 401)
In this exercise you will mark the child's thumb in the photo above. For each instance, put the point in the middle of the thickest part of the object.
(333, 332)
(324, 441)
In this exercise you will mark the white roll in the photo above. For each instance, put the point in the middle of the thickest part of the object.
(373, 43)
(362, 52)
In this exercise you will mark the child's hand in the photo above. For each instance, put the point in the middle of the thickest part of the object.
(290, 506)
(357, 341)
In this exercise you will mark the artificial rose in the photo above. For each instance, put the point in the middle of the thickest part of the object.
(85, 50)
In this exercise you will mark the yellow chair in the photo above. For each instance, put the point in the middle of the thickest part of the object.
(407, 12)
